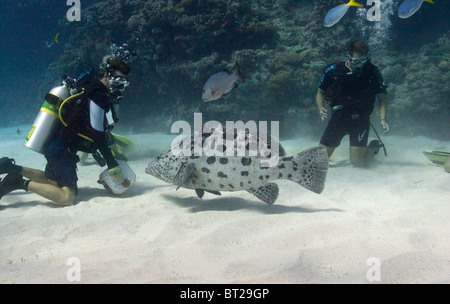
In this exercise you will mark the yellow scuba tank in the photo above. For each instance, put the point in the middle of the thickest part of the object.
(47, 121)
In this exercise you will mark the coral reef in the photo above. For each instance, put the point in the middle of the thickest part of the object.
(282, 48)
(420, 86)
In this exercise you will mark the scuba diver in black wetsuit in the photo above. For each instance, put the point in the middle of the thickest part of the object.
(350, 89)
(84, 130)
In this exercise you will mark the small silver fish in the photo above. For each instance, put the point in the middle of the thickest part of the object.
(410, 7)
(336, 14)
(221, 84)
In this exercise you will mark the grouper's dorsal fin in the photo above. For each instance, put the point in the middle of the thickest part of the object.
(267, 193)
(184, 174)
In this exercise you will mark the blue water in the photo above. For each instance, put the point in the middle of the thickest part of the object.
(25, 58)
(24, 28)
(396, 211)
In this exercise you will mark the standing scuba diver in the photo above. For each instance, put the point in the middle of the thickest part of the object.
(350, 89)
(83, 129)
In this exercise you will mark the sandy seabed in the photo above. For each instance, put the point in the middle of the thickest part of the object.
(386, 224)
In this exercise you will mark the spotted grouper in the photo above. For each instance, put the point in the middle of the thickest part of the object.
(222, 172)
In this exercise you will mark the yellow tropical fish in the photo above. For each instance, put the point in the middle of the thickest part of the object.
(50, 43)
(336, 14)
(410, 7)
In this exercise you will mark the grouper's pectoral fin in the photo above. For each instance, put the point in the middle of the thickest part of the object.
(184, 174)
(267, 193)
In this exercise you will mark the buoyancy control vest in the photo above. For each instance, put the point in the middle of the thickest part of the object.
(353, 92)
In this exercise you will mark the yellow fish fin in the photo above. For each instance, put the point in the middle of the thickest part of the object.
(354, 3)
(431, 1)
(121, 142)
(56, 38)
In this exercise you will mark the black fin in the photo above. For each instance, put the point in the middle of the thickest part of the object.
(214, 192)
(200, 193)
(268, 193)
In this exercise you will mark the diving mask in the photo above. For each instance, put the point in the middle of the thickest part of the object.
(358, 62)
(118, 83)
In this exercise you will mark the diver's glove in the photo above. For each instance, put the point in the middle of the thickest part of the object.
(385, 125)
(323, 114)
(116, 173)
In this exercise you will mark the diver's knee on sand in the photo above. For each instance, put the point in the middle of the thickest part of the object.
(64, 196)
(68, 198)
(358, 156)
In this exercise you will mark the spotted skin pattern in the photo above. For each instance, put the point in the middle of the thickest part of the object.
(216, 173)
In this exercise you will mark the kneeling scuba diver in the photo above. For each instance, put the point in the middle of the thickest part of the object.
(351, 89)
(76, 112)
(69, 112)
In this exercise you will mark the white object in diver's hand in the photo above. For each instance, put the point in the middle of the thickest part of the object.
(115, 185)
(116, 173)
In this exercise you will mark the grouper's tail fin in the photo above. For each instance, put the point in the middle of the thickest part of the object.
(312, 168)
